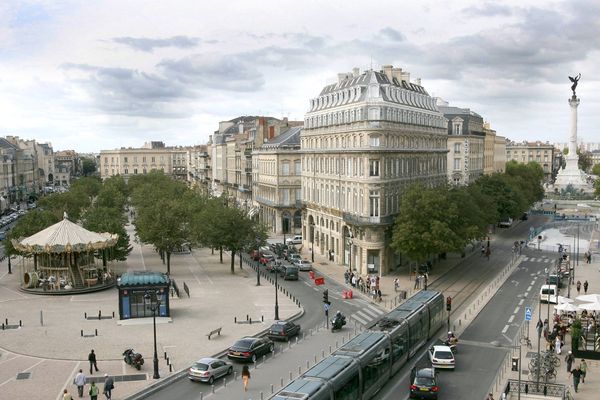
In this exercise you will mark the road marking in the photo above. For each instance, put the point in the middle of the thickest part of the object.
(532, 283)
(377, 310)
(510, 320)
(516, 310)
(529, 288)
(505, 329)
(370, 313)
(521, 301)
(357, 318)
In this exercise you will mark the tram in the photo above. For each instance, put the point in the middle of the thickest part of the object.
(358, 369)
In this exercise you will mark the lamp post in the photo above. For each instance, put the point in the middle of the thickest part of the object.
(350, 243)
(312, 242)
(154, 306)
(257, 263)
(276, 287)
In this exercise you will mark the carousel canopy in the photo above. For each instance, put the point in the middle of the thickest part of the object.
(65, 237)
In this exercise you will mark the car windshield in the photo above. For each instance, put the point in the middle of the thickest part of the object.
(277, 328)
(243, 344)
(444, 355)
(200, 366)
(424, 381)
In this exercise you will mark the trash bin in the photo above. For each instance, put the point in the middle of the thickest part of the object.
(349, 294)
(311, 274)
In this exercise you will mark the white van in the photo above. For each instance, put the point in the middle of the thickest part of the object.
(294, 240)
(549, 294)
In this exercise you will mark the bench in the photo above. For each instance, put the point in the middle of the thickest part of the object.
(217, 331)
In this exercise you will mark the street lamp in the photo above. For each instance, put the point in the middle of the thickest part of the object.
(350, 242)
(258, 262)
(277, 266)
(154, 306)
(312, 242)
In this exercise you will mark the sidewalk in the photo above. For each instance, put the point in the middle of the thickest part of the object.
(54, 351)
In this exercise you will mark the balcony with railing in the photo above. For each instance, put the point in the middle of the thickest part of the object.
(364, 221)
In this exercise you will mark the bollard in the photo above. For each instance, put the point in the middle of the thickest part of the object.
(3, 326)
(201, 395)
(296, 339)
(168, 361)
(254, 364)
(250, 321)
(41, 318)
(212, 387)
(264, 358)
(85, 315)
(307, 364)
(113, 314)
(96, 332)
(6, 322)
(99, 314)
(336, 344)
(261, 396)
(235, 320)
(289, 345)
(165, 355)
(299, 370)
(290, 375)
(322, 353)
(272, 389)
(247, 317)
(20, 323)
(281, 382)
(262, 318)
(315, 358)
(81, 330)
(225, 382)
(235, 375)
(329, 349)
(170, 367)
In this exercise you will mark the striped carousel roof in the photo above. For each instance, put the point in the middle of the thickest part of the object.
(65, 236)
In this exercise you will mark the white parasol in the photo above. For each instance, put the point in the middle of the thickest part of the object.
(590, 306)
(567, 307)
(562, 300)
(590, 298)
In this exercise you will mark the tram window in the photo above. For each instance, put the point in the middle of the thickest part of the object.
(349, 391)
(400, 345)
(376, 368)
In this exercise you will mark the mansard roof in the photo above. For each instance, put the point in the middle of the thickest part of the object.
(288, 138)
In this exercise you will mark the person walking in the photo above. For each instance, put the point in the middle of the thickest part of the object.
(583, 369)
(569, 360)
(417, 278)
(578, 287)
(585, 287)
(109, 385)
(79, 381)
(576, 373)
(92, 360)
(557, 344)
(67, 395)
(245, 377)
(93, 392)
(396, 284)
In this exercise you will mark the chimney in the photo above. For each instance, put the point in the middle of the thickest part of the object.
(387, 70)
(342, 76)
(406, 76)
(418, 81)
(397, 73)
(355, 72)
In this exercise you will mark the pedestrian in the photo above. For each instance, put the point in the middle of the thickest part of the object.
(417, 281)
(576, 373)
(245, 377)
(569, 359)
(109, 385)
(353, 281)
(482, 250)
(396, 284)
(490, 397)
(379, 295)
(488, 252)
(583, 369)
(585, 287)
(557, 344)
(79, 381)
(93, 392)
(346, 277)
(578, 287)
(590, 258)
(92, 360)
(66, 395)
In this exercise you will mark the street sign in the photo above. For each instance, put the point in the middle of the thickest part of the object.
(319, 281)
(527, 313)
(326, 307)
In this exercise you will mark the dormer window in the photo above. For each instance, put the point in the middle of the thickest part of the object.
(457, 126)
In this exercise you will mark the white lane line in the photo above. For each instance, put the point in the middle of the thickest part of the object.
(532, 282)
(360, 320)
(516, 310)
(529, 288)
(505, 329)
(521, 302)
(510, 320)
(377, 310)
(370, 313)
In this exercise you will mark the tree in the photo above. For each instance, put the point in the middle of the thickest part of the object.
(111, 220)
(585, 160)
(425, 224)
(88, 166)
(596, 170)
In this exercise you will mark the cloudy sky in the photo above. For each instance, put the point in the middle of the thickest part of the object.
(102, 74)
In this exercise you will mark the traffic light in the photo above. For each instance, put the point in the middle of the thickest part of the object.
(326, 296)
(448, 303)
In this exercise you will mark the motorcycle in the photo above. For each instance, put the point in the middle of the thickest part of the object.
(337, 323)
(453, 347)
(134, 359)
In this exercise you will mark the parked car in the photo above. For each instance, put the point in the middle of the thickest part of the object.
(250, 348)
(507, 223)
(289, 272)
(209, 369)
(2, 235)
(441, 357)
(303, 265)
(294, 240)
(283, 330)
(424, 385)
(293, 257)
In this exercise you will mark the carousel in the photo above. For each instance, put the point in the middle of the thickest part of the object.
(65, 259)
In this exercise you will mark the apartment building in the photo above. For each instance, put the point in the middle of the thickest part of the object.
(367, 138)
(525, 152)
(130, 161)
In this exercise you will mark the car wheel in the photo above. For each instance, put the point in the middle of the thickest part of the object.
(230, 371)
(211, 380)
(253, 358)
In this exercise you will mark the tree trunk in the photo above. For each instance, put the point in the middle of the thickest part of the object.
(168, 263)
(212, 250)
(232, 261)
(240, 255)
(221, 254)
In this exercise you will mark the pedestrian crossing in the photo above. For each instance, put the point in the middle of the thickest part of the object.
(538, 259)
(367, 315)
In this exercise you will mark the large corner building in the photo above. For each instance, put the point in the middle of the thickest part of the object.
(366, 139)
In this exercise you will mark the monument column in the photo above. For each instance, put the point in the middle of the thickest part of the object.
(574, 103)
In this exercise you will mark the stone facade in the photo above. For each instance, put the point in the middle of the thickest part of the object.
(130, 161)
(525, 152)
(365, 140)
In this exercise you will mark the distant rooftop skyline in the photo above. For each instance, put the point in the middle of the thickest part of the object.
(117, 74)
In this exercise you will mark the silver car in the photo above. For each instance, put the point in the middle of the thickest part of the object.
(209, 369)
(303, 265)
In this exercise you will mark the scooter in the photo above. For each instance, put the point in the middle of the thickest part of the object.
(134, 359)
(453, 347)
(337, 323)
